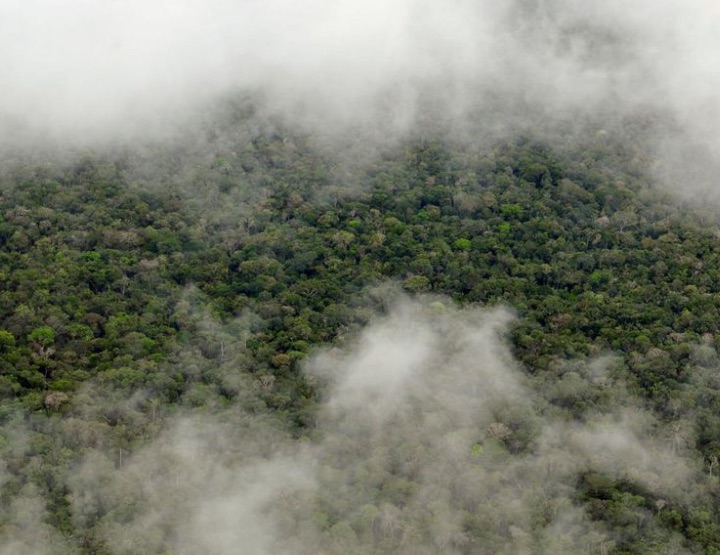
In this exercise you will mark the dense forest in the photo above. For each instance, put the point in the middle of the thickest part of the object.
(188, 318)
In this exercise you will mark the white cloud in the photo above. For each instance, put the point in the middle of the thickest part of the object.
(75, 66)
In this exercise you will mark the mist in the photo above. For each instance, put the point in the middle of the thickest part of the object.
(429, 438)
(88, 72)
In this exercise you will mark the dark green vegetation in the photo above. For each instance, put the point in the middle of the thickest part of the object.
(196, 281)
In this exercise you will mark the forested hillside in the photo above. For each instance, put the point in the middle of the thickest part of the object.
(202, 279)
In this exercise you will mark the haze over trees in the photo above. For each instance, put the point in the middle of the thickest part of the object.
(439, 292)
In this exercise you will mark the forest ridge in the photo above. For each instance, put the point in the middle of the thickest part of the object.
(143, 287)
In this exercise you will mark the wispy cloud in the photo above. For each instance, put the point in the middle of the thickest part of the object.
(430, 439)
(76, 67)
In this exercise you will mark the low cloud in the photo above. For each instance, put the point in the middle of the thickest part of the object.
(429, 439)
(88, 71)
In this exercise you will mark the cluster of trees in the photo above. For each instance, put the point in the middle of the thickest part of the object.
(205, 276)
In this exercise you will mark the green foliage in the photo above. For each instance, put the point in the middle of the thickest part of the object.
(6, 339)
(43, 336)
(154, 278)
(463, 244)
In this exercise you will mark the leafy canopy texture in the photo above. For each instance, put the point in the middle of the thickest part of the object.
(255, 343)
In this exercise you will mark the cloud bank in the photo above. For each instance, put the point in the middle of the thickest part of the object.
(76, 68)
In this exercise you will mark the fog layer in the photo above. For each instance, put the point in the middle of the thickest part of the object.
(88, 70)
(429, 440)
